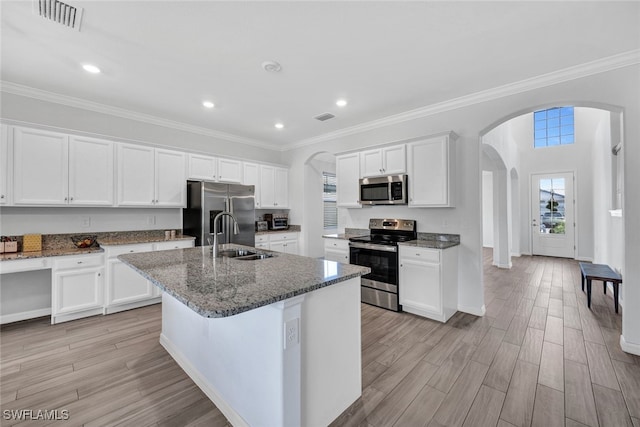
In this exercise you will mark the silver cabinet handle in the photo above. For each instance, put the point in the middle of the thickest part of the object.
(66, 199)
(71, 199)
(79, 262)
(2, 196)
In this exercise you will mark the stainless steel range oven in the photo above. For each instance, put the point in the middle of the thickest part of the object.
(379, 252)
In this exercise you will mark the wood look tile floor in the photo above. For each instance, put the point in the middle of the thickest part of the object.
(538, 357)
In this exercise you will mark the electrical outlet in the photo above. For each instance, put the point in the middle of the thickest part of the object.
(291, 333)
(85, 221)
(151, 220)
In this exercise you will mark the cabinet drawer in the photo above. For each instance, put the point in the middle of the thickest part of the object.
(283, 236)
(421, 254)
(74, 262)
(114, 251)
(262, 238)
(336, 244)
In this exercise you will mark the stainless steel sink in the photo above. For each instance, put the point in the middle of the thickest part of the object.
(234, 253)
(254, 257)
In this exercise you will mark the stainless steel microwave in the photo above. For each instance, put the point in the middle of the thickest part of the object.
(384, 190)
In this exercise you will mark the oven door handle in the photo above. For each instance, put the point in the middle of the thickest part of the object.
(373, 247)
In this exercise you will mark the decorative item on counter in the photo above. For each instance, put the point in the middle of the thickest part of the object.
(32, 243)
(9, 244)
(173, 234)
(167, 235)
(85, 241)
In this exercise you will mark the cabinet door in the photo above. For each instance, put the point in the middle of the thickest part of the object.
(136, 180)
(347, 180)
(371, 163)
(4, 165)
(77, 290)
(429, 186)
(394, 160)
(251, 176)
(171, 185)
(126, 285)
(91, 172)
(337, 255)
(202, 167)
(40, 167)
(267, 191)
(281, 188)
(277, 246)
(291, 247)
(230, 171)
(420, 285)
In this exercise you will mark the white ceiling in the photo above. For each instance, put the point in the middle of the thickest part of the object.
(163, 58)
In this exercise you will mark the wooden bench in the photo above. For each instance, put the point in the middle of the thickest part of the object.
(600, 272)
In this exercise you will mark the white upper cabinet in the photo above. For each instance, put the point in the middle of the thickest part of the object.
(4, 165)
(347, 180)
(383, 161)
(41, 167)
(54, 169)
(202, 167)
(274, 187)
(150, 177)
(230, 171)
(170, 181)
(91, 172)
(251, 176)
(208, 168)
(431, 169)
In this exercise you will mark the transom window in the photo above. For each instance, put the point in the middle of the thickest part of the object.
(553, 127)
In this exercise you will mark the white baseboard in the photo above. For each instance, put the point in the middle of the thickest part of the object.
(473, 310)
(629, 347)
(25, 315)
(584, 259)
(505, 266)
(234, 418)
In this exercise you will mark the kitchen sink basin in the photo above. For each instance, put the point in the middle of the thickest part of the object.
(234, 253)
(255, 257)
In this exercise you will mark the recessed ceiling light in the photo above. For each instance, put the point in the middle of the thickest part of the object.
(208, 104)
(91, 68)
(341, 102)
(279, 125)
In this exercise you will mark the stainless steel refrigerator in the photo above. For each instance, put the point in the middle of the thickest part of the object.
(206, 199)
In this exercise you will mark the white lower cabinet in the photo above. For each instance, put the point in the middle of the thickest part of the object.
(78, 287)
(428, 281)
(336, 250)
(125, 287)
(279, 242)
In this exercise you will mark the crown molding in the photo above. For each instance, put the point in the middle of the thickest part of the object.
(602, 65)
(70, 101)
(598, 66)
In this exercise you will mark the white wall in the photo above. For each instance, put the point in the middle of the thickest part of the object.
(613, 88)
(62, 220)
(487, 209)
(311, 243)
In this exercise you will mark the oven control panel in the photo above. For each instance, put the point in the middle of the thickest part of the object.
(392, 224)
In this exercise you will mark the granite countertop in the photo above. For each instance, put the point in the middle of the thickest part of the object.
(227, 286)
(431, 244)
(61, 245)
(50, 253)
(132, 240)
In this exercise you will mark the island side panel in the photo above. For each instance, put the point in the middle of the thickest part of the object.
(331, 352)
(236, 361)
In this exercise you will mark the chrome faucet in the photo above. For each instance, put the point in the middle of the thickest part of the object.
(236, 230)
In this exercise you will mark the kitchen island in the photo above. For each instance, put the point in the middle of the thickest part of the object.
(272, 342)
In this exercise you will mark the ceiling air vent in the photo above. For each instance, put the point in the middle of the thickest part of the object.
(59, 12)
(324, 116)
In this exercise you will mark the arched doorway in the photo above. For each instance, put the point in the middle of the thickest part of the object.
(315, 167)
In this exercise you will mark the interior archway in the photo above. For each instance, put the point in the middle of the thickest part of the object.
(314, 167)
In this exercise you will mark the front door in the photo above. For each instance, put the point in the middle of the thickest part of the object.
(552, 215)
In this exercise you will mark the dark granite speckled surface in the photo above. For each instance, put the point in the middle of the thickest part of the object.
(227, 286)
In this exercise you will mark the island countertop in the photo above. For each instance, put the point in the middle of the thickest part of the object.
(227, 286)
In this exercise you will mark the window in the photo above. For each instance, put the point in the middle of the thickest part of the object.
(329, 200)
(553, 127)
